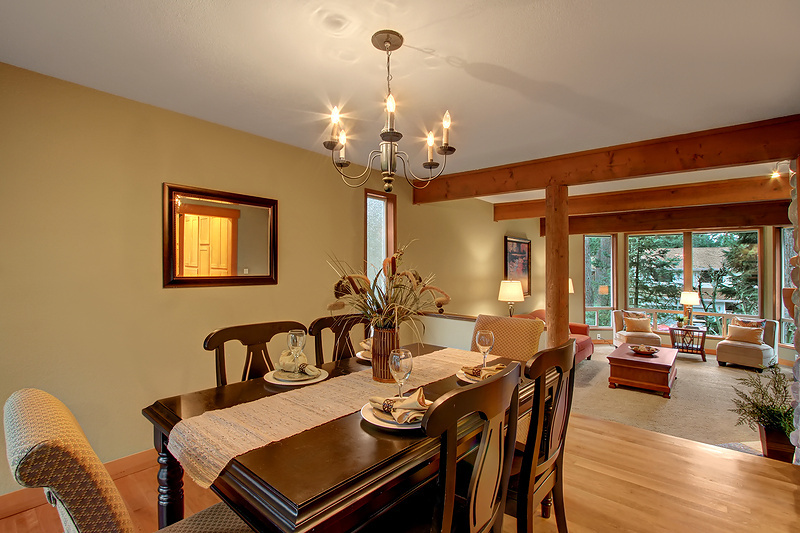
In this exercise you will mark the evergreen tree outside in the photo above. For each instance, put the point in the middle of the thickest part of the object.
(597, 273)
(654, 278)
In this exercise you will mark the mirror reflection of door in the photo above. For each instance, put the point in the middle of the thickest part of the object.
(207, 240)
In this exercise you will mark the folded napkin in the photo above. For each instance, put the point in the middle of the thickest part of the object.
(367, 345)
(287, 364)
(480, 372)
(407, 410)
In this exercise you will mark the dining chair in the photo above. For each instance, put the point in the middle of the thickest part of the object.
(514, 338)
(480, 503)
(253, 336)
(340, 325)
(47, 448)
(537, 471)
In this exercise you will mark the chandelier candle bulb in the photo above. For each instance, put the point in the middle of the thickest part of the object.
(446, 128)
(342, 141)
(335, 123)
(430, 146)
(390, 113)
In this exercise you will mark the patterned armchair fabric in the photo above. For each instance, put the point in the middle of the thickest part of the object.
(514, 338)
(47, 448)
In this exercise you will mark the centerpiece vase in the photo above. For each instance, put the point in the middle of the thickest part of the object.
(384, 340)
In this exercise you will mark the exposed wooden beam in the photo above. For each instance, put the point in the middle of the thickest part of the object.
(742, 190)
(775, 213)
(743, 144)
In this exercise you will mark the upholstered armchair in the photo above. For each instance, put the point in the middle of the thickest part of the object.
(584, 347)
(752, 343)
(633, 327)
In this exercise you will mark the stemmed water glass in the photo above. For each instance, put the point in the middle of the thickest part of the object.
(400, 365)
(485, 340)
(296, 342)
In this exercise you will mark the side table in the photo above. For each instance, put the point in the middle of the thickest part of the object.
(689, 340)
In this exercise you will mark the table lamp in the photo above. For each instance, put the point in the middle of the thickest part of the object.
(689, 299)
(510, 291)
(602, 289)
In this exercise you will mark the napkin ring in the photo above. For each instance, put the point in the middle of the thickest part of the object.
(388, 405)
(302, 368)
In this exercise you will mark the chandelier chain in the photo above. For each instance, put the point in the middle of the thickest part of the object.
(388, 70)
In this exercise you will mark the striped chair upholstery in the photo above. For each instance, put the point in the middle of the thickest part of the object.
(514, 338)
(47, 448)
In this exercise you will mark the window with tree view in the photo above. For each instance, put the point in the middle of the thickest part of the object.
(787, 252)
(724, 272)
(598, 283)
(655, 273)
(725, 275)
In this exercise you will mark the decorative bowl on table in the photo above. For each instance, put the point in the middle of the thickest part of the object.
(642, 349)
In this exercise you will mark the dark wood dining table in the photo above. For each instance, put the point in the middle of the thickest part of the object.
(330, 478)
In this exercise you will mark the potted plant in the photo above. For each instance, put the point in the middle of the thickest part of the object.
(392, 297)
(766, 406)
(680, 321)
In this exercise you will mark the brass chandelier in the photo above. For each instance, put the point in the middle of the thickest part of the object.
(388, 41)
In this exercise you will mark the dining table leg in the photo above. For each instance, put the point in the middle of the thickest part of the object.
(170, 484)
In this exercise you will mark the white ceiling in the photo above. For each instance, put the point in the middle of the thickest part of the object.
(522, 79)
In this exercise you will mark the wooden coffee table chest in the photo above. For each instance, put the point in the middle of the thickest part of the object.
(656, 372)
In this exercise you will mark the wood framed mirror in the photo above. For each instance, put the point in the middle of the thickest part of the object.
(215, 238)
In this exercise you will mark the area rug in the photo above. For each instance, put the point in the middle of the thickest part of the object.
(740, 447)
(698, 410)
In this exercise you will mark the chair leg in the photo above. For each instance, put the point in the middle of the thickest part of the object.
(558, 503)
(547, 503)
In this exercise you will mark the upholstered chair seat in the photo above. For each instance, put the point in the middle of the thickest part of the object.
(752, 354)
(623, 334)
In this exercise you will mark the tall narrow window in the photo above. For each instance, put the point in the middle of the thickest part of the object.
(380, 229)
(787, 252)
(599, 279)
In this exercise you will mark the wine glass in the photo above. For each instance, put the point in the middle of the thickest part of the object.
(400, 365)
(296, 341)
(485, 340)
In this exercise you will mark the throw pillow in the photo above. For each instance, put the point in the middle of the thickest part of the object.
(745, 334)
(641, 325)
(634, 314)
(749, 322)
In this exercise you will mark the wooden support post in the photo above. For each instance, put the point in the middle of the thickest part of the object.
(557, 264)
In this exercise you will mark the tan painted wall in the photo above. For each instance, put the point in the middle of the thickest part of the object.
(84, 315)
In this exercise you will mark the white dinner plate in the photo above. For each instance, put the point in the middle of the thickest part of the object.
(368, 414)
(365, 355)
(271, 379)
(468, 379)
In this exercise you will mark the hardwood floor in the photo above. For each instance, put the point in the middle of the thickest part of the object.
(617, 478)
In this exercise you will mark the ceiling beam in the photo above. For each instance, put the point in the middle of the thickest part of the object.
(715, 217)
(735, 191)
(743, 144)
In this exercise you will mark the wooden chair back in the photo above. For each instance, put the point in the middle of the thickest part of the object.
(340, 325)
(491, 399)
(541, 469)
(255, 338)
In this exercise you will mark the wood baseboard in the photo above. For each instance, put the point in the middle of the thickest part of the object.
(24, 499)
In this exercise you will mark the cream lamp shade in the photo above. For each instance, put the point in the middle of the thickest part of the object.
(510, 291)
(602, 289)
(690, 298)
(571, 287)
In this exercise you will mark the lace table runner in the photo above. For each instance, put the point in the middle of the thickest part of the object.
(205, 444)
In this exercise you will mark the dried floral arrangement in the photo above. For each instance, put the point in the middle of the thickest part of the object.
(392, 297)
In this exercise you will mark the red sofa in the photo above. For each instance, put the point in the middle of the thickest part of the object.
(584, 347)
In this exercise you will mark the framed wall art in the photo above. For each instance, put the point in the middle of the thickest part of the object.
(517, 264)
